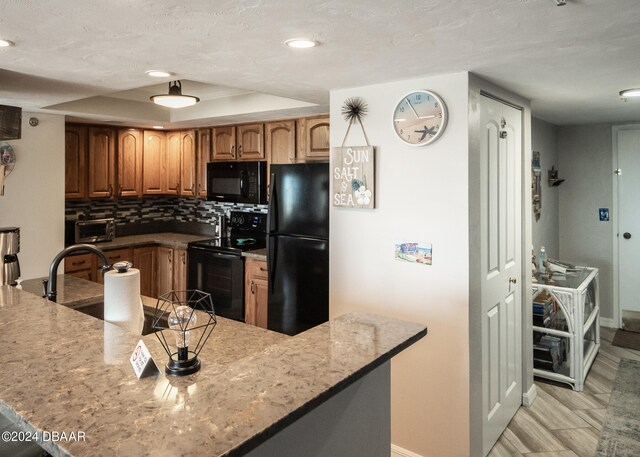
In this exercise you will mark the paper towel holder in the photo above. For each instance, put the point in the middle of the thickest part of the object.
(122, 267)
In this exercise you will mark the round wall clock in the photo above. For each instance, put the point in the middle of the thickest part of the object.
(420, 118)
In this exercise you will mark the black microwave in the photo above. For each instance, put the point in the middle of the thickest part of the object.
(237, 182)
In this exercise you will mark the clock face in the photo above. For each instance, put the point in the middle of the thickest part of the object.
(420, 118)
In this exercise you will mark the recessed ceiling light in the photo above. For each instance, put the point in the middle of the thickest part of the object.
(301, 43)
(630, 93)
(6, 43)
(159, 73)
(159, 127)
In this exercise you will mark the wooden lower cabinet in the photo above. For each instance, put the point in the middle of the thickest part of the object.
(256, 292)
(82, 266)
(172, 269)
(145, 260)
(162, 269)
(179, 269)
(114, 255)
(165, 270)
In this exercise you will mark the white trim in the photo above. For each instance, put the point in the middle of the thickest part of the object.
(529, 397)
(617, 314)
(397, 451)
(608, 322)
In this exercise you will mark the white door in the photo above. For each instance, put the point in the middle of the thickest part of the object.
(501, 148)
(628, 218)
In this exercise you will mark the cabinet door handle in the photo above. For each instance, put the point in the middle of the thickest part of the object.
(81, 262)
(240, 150)
(253, 288)
(263, 269)
(193, 186)
(513, 280)
(233, 151)
(114, 258)
(120, 191)
(110, 190)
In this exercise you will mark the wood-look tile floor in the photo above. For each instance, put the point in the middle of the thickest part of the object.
(562, 422)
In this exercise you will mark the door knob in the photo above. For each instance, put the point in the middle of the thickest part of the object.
(626, 235)
(513, 280)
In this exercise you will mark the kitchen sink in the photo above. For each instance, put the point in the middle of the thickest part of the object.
(97, 310)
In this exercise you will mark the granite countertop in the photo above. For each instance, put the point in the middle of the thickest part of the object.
(65, 371)
(168, 239)
(72, 292)
(259, 254)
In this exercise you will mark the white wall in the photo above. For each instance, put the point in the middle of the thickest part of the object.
(34, 193)
(422, 195)
(546, 232)
(586, 164)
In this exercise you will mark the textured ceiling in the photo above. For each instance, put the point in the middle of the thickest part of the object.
(570, 61)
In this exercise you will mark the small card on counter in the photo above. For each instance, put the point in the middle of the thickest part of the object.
(142, 361)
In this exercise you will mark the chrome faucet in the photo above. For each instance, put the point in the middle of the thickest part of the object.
(50, 285)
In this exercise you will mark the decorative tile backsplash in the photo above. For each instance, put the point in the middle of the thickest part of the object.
(154, 209)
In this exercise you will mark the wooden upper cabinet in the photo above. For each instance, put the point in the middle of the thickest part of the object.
(101, 162)
(152, 162)
(250, 142)
(130, 143)
(313, 138)
(203, 157)
(280, 141)
(224, 143)
(172, 160)
(75, 153)
(188, 163)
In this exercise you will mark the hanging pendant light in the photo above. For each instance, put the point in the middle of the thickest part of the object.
(174, 99)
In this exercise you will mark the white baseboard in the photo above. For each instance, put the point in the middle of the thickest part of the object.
(607, 322)
(397, 451)
(529, 397)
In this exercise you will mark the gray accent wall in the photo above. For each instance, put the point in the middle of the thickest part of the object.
(585, 161)
(545, 231)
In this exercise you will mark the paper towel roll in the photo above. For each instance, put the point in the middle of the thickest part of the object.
(122, 303)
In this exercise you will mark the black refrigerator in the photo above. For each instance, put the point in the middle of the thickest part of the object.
(298, 247)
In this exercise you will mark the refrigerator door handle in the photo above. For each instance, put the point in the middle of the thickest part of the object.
(272, 217)
(271, 260)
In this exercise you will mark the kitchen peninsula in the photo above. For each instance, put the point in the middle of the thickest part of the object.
(258, 393)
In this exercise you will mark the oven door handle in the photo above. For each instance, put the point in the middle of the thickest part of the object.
(217, 254)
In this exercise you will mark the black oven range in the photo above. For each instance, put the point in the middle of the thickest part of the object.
(216, 266)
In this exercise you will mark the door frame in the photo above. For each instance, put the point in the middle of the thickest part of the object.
(616, 321)
(479, 88)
